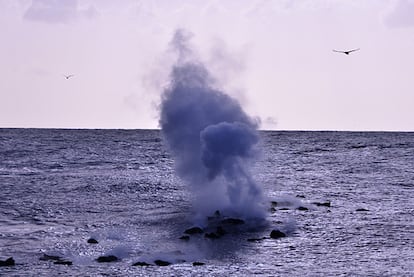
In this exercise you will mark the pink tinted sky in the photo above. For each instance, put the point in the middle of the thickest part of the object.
(274, 56)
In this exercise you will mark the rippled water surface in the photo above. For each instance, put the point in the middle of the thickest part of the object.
(61, 187)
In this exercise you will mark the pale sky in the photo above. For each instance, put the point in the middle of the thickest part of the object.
(274, 56)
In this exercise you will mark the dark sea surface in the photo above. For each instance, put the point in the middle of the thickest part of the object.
(61, 187)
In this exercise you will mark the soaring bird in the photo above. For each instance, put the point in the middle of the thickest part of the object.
(68, 76)
(346, 52)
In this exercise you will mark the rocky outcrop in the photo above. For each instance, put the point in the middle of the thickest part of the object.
(92, 241)
(276, 234)
(232, 221)
(8, 262)
(107, 259)
(322, 204)
(198, 263)
(55, 259)
(161, 263)
(141, 264)
(194, 230)
(63, 262)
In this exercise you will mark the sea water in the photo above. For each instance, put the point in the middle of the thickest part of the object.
(344, 199)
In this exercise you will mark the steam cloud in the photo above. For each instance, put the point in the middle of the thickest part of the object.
(210, 137)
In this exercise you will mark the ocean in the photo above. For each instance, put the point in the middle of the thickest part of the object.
(344, 200)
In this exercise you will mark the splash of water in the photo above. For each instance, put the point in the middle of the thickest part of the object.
(211, 138)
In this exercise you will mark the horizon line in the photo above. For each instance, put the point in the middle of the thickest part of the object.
(261, 130)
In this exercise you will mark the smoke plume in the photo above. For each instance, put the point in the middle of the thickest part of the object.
(211, 138)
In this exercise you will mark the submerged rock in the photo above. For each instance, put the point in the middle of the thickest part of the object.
(8, 262)
(362, 210)
(107, 259)
(324, 204)
(275, 234)
(198, 263)
(220, 231)
(194, 230)
(233, 221)
(92, 241)
(161, 263)
(301, 208)
(47, 257)
(141, 264)
(63, 262)
(185, 238)
(211, 236)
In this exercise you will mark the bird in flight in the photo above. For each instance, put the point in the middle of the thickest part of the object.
(68, 76)
(346, 52)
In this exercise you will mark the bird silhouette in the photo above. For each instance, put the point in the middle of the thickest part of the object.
(68, 76)
(346, 52)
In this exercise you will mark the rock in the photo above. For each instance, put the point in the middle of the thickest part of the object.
(301, 208)
(63, 262)
(185, 238)
(141, 264)
(211, 236)
(300, 196)
(362, 210)
(274, 203)
(220, 231)
(92, 241)
(233, 221)
(198, 263)
(275, 234)
(194, 230)
(161, 263)
(107, 259)
(46, 257)
(324, 204)
(8, 262)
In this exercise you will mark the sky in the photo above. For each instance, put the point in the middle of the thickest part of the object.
(275, 57)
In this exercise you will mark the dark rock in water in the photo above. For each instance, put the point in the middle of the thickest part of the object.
(233, 221)
(300, 196)
(194, 230)
(362, 210)
(107, 259)
(9, 262)
(198, 263)
(301, 208)
(324, 204)
(92, 241)
(63, 262)
(255, 239)
(141, 264)
(46, 257)
(217, 213)
(275, 234)
(274, 203)
(284, 209)
(161, 263)
(185, 237)
(220, 231)
(211, 236)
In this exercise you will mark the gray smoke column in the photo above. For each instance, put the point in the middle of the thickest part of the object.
(211, 138)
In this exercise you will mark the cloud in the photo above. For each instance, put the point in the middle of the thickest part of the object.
(401, 14)
(57, 11)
